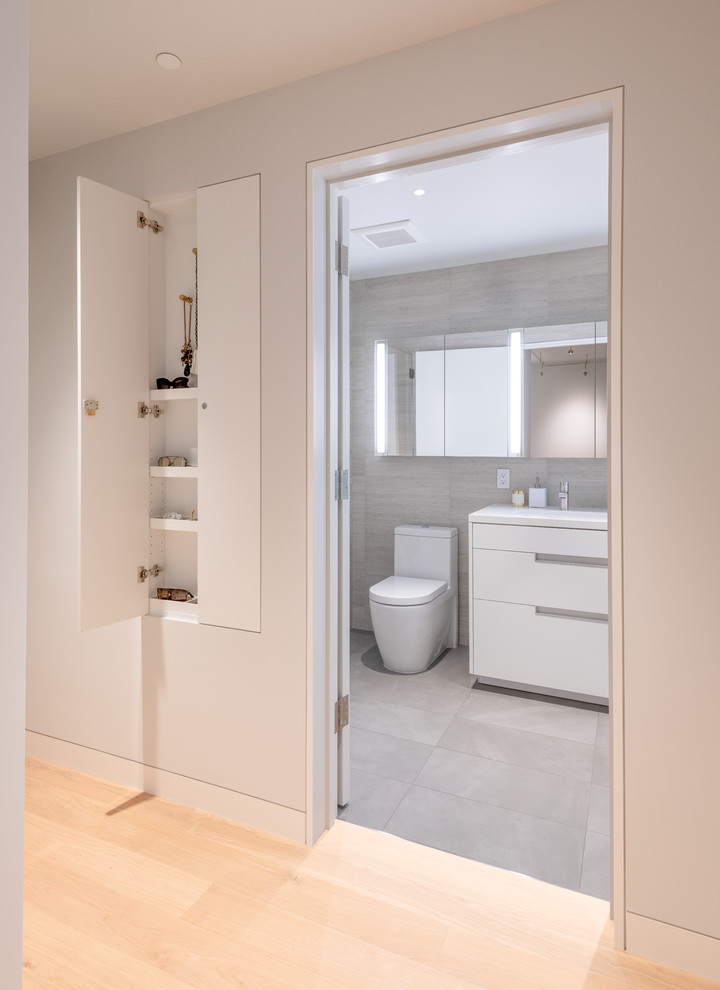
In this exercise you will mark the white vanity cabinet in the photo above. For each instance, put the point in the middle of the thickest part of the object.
(539, 600)
(131, 278)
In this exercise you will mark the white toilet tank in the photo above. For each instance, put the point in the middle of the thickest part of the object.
(427, 552)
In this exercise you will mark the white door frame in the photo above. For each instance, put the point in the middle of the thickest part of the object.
(473, 141)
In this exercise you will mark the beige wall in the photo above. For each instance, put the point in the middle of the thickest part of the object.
(13, 407)
(663, 52)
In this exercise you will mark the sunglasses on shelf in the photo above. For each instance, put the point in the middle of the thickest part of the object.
(168, 460)
(174, 595)
(179, 382)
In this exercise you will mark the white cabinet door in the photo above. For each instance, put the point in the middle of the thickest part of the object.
(555, 654)
(113, 370)
(229, 428)
(531, 579)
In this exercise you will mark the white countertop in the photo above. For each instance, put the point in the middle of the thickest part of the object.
(568, 519)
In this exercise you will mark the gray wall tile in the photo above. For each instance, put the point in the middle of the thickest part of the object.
(570, 286)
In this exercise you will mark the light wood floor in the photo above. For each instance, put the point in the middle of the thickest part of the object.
(128, 892)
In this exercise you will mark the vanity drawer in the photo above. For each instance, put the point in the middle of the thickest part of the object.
(536, 579)
(541, 539)
(556, 654)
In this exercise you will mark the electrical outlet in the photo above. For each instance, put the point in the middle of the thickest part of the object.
(503, 478)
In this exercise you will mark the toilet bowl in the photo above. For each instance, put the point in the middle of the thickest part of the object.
(414, 612)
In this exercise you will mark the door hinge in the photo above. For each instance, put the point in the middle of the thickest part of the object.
(342, 485)
(143, 573)
(144, 410)
(342, 258)
(341, 712)
(91, 406)
(142, 221)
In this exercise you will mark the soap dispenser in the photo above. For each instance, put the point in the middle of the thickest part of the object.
(537, 496)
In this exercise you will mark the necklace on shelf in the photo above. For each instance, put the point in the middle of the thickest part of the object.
(186, 354)
(195, 352)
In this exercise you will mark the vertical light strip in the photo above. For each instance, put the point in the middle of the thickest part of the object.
(380, 397)
(515, 345)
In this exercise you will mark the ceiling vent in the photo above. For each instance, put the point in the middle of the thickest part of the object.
(386, 235)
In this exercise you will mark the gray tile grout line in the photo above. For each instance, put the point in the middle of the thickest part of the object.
(485, 804)
(437, 790)
(463, 752)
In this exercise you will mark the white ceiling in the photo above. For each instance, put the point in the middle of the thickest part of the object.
(549, 196)
(93, 74)
(92, 62)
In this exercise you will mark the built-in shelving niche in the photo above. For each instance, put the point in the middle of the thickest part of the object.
(215, 430)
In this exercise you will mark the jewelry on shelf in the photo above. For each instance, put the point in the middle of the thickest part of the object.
(194, 369)
(186, 354)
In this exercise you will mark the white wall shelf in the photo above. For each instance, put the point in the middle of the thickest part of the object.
(173, 394)
(173, 472)
(182, 611)
(178, 525)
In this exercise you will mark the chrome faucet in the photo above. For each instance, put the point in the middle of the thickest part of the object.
(564, 495)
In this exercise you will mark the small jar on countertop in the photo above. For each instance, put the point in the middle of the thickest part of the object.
(518, 499)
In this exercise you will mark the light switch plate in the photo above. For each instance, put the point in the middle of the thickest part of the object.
(503, 478)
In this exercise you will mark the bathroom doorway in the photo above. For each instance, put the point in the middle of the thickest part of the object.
(421, 775)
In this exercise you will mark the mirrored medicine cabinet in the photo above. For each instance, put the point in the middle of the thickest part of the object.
(522, 392)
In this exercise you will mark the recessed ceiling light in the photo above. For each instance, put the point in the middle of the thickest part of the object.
(167, 60)
(419, 192)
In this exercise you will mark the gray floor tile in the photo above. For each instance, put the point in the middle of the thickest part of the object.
(373, 799)
(532, 792)
(431, 694)
(513, 781)
(601, 766)
(533, 846)
(375, 752)
(542, 717)
(398, 720)
(360, 641)
(603, 731)
(453, 668)
(599, 811)
(595, 877)
(440, 689)
(521, 748)
(367, 684)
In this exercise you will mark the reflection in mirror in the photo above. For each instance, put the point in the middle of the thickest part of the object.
(566, 390)
(532, 392)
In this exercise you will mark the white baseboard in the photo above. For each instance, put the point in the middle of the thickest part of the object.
(672, 946)
(263, 815)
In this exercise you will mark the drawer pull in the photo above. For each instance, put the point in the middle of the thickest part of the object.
(559, 558)
(566, 613)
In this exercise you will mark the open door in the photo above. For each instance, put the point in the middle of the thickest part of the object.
(229, 418)
(113, 376)
(339, 446)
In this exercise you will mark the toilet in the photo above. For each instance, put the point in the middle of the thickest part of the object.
(414, 612)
